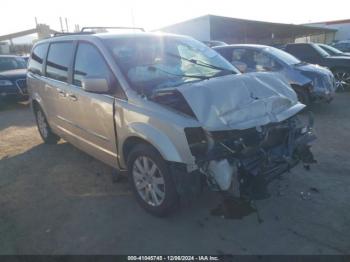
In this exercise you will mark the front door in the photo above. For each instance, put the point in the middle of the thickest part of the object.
(92, 113)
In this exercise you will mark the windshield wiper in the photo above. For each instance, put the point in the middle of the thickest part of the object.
(200, 63)
(154, 68)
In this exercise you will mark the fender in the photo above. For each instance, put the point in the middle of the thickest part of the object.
(157, 138)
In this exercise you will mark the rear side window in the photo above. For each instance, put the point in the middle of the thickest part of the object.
(89, 63)
(301, 51)
(58, 61)
(37, 58)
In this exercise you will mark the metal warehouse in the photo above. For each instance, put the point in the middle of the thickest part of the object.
(233, 30)
(342, 27)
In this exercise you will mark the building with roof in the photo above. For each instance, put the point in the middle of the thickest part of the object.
(234, 30)
(342, 28)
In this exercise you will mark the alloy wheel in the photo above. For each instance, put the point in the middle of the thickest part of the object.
(342, 80)
(149, 181)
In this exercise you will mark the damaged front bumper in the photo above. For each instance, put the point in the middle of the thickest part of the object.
(319, 96)
(239, 160)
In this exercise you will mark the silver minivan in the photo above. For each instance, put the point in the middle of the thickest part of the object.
(168, 110)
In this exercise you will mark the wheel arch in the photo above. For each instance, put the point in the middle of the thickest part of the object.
(131, 142)
(37, 102)
(338, 68)
(147, 134)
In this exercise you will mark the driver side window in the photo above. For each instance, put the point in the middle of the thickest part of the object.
(89, 63)
(243, 60)
(248, 60)
(264, 62)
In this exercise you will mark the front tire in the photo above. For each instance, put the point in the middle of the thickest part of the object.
(43, 127)
(151, 180)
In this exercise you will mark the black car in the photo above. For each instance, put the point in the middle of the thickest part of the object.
(332, 50)
(13, 78)
(310, 82)
(343, 46)
(313, 54)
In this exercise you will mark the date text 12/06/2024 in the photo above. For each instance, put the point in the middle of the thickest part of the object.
(173, 258)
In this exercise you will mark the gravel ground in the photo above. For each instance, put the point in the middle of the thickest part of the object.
(55, 199)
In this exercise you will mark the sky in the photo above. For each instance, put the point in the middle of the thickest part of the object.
(153, 14)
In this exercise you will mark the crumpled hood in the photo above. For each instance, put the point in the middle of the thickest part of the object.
(241, 101)
(313, 68)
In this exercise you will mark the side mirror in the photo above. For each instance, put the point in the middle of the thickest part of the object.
(95, 85)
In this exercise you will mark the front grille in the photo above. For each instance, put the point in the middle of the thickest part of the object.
(22, 85)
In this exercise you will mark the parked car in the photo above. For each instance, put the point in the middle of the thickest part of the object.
(310, 82)
(168, 110)
(13, 78)
(332, 51)
(313, 54)
(343, 46)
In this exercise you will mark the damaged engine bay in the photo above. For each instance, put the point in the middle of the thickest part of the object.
(242, 161)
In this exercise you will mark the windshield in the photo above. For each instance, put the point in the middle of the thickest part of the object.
(283, 56)
(11, 63)
(320, 50)
(331, 50)
(155, 62)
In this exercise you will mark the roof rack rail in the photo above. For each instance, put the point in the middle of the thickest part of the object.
(110, 27)
(76, 33)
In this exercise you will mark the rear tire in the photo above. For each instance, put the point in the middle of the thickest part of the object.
(151, 180)
(43, 127)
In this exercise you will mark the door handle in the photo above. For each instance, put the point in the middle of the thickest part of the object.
(73, 97)
(61, 92)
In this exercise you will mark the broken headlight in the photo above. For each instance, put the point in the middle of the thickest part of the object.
(173, 99)
(197, 140)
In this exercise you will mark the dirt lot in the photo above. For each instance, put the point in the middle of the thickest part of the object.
(58, 200)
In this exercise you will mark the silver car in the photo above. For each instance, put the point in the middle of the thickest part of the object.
(312, 83)
(168, 110)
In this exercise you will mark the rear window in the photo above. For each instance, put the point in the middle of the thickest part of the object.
(37, 58)
(58, 61)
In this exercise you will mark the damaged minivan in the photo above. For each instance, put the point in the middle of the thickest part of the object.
(168, 110)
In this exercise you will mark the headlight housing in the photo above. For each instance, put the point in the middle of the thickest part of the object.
(196, 140)
(5, 83)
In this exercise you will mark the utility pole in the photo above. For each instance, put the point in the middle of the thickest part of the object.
(76, 28)
(67, 24)
(61, 24)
